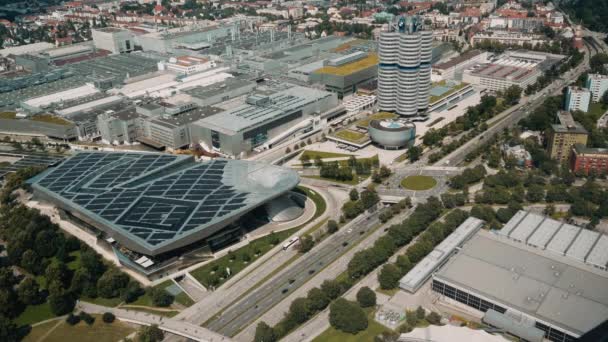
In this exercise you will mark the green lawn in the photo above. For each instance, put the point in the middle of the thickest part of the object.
(184, 299)
(110, 302)
(8, 115)
(418, 183)
(312, 155)
(320, 204)
(98, 332)
(34, 314)
(373, 329)
(206, 275)
(378, 116)
(356, 179)
(350, 135)
(596, 110)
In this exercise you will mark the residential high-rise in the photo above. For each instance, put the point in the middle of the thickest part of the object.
(404, 73)
(561, 137)
(597, 84)
(577, 99)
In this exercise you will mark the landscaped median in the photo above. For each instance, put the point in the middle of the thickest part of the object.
(418, 183)
(217, 272)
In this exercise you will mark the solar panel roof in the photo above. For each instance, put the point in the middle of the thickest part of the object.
(152, 203)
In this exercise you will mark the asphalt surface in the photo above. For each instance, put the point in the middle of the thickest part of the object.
(241, 314)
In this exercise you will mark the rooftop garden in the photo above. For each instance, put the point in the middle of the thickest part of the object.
(350, 135)
(8, 115)
(47, 118)
(452, 90)
(377, 116)
(349, 68)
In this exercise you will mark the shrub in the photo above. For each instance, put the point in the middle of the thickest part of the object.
(72, 319)
(88, 319)
(108, 317)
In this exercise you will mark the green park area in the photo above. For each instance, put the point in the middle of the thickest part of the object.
(215, 273)
(334, 335)
(378, 116)
(60, 331)
(350, 135)
(312, 155)
(418, 183)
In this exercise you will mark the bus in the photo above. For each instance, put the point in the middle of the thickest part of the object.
(291, 242)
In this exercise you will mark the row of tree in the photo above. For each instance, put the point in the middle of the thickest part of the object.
(359, 202)
(435, 233)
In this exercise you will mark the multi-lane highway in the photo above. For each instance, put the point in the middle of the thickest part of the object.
(254, 304)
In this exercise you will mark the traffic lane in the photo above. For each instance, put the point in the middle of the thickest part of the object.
(324, 255)
(266, 303)
(266, 300)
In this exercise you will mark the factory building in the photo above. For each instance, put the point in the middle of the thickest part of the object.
(343, 74)
(172, 40)
(113, 39)
(267, 117)
(537, 278)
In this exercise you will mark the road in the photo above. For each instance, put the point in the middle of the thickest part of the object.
(269, 294)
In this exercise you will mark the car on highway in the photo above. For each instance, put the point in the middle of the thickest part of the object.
(349, 230)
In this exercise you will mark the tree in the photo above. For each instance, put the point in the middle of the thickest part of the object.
(111, 283)
(369, 199)
(535, 193)
(160, 297)
(434, 318)
(264, 333)
(150, 334)
(389, 276)
(61, 303)
(347, 316)
(420, 313)
(28, 291)
(306, 243)
(353, 194)
(331, 288)
(108, 317)
(9, 304)
(305, 159)
(317, 299)
(299, 311)
(512, 94)
(366, 297)
(31, 262)
(88, 319)
(332, 226)
(57, 271)
(411, 318)
(414, 153)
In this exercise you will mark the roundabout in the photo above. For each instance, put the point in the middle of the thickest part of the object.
(418, 183)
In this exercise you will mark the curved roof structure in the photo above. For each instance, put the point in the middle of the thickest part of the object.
(153, 203)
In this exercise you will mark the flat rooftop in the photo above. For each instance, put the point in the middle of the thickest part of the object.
(463, 58)
(503, 72)
(153, 203)
(281, 103)
(181, 119)
(550, 287)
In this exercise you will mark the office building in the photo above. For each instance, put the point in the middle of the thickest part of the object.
(597, 84)
(528, 279)
(586, 159)
(113, 39)
(154, 205)
(561, 137)
(185, 65)
(404, 73)
(577, 98)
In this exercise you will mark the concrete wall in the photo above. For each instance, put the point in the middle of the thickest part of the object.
(36, 128)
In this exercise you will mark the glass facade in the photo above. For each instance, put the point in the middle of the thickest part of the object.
(483, 305)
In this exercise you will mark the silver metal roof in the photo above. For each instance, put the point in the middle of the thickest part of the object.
(598, 256)
(422, 271)
(581, 246)
(551, 288)
(544, 233)
(563, 238)
(526, 227)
